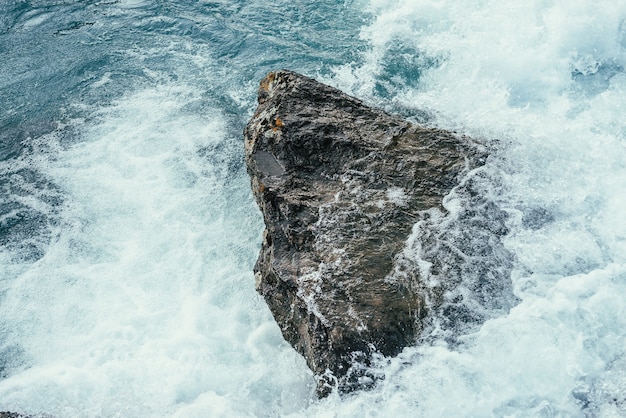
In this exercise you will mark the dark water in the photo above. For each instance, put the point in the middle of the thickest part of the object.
(64, 60)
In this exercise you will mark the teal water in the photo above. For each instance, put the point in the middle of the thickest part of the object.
(128, 232)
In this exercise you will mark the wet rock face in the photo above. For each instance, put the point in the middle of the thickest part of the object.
(340, 186)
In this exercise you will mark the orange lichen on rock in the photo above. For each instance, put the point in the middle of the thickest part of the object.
(278, 124)
(265, 83)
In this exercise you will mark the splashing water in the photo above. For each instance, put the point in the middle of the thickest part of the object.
(128, 232)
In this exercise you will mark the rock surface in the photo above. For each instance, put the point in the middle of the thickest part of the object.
(340, 186)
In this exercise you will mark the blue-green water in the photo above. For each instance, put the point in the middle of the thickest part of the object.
(128, 232)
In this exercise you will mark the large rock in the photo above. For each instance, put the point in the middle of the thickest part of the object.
(340, 186)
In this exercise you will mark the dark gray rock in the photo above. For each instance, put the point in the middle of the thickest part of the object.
(340, 186)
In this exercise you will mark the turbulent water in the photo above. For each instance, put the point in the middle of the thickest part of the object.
(128, 232)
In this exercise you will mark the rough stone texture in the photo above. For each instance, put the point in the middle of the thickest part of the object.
(340, 186)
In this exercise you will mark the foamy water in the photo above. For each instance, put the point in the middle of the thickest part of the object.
(546, 81)
(145, 305)
(131, 294)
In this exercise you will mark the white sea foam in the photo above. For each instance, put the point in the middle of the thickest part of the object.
(35, 19)
(145, 306)
(547, 81)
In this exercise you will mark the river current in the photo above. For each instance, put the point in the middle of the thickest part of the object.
(128, 231)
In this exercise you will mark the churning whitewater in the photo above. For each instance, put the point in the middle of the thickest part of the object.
(128, 231)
